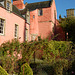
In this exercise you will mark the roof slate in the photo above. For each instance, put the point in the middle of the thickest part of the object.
(1, 5)
(33, 6)
(16, 11)
(37, 5)
(1, 0)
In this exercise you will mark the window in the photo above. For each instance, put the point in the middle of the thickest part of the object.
(33, 16)
(26, 35)
(8, 5)
(40, 12)
(1, 26)
(28, 17)
(16, 31)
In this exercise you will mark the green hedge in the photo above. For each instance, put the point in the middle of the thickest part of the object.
(2, 71)
(26, 70)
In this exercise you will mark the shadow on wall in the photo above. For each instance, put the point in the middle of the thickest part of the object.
(59, 33)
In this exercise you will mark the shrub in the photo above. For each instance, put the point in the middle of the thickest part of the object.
(26, 70)
(9, 54)
(2, 71)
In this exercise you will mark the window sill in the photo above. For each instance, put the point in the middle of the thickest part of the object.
(1, 34)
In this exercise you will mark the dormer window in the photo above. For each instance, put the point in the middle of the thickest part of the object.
(2, 21)
(16, 31)
(40, 12)
(8, 5)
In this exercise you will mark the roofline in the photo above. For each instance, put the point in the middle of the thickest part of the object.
(12, 12)
(71, 9)
(39, 2)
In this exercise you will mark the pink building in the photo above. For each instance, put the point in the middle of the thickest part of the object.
(26, 21)
(12, 24)
(41, 17)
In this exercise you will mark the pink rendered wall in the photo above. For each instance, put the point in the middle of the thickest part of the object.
(46, 15)
(34, 22)
(44, 23)
(10, 21)
(44, 29)
(41, 25)
(53, 7)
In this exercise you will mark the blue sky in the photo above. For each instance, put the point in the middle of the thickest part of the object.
(61, 5)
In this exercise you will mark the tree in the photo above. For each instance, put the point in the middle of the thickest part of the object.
(68, 25)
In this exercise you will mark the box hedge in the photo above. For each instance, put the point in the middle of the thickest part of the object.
(2, 71)
(26, 70)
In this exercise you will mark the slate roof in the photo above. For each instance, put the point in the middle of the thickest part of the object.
(1, 5)
(16, 11)
(37, 5)
(1, 0)
(33, 6)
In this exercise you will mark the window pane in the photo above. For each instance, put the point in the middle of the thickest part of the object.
(1, 26)
(40, 12)
(8, 6)
(0, 31)
(16, 31)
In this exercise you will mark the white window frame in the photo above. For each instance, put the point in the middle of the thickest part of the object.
(16, 31)
(26, 34)
(8, 5)
(3, 26)
(40, 12)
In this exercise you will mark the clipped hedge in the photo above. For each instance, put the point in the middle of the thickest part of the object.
(26, 70)
(2, 71)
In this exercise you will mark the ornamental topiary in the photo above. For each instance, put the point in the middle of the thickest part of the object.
(2, 71)
(26, 70)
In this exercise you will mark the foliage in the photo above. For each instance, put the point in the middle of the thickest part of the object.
(28, 49)
(59, 54)
(68, 25)
(59, 65)
(8, 57)
(26, 70)
(42, 68)
(55, 49)
(27, 52)
(2, 71)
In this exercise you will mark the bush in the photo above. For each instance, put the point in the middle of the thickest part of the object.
(2, 71)
(26, 70)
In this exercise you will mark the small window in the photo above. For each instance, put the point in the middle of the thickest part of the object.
(33, 16)
(40, 12)
(16, 31)
(8, 5)
(26, 35)
(1, 26)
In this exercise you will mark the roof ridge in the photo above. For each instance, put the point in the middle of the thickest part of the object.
(39, 2)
